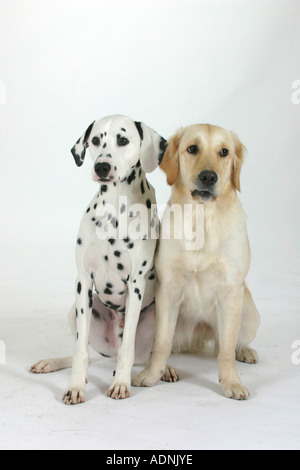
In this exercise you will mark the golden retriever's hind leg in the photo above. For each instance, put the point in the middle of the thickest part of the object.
(246, 354)
(249, 325)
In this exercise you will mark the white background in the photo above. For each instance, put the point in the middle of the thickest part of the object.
(169, 63)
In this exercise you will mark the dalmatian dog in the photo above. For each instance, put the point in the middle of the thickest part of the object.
(114, 308)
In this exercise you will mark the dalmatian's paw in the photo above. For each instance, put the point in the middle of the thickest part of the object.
(44, 366)
(74, 395)
(119, 391)
(51, 365)
(170, 375)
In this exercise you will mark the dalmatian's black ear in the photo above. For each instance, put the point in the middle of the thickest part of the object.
(153, 147)
(79, 149)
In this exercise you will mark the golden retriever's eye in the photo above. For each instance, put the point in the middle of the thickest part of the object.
(224, 153)
(193, 149)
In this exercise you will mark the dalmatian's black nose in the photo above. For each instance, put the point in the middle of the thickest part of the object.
(102, 169)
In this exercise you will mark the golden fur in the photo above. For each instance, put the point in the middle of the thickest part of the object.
(202, 294)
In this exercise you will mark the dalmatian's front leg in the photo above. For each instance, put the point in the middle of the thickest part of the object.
(121, 385)
(84, 302)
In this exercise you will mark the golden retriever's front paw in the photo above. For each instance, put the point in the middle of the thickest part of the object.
(237, 391)
(146, 378)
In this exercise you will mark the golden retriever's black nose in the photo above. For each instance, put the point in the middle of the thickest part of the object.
(102, 169)
(208, 178)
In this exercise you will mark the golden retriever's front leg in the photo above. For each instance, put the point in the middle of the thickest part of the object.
(167, 310)
(229, 320)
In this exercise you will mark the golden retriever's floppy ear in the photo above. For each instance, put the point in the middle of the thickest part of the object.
(237, 162)
(170, 162)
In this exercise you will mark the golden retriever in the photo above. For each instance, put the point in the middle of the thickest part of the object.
(201, 294)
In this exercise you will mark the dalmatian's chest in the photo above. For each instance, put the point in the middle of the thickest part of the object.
(113, 256)
(112, 274)
(109, 264)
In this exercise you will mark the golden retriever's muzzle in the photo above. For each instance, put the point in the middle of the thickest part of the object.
(206, 185)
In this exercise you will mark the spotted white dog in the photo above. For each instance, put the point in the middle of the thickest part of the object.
(114, 308)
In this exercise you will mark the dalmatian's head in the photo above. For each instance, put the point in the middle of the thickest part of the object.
(116, 145)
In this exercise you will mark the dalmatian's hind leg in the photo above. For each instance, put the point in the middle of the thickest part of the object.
(46, 366)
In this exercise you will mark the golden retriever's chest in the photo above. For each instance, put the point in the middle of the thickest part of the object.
(203, 280)
(204, 265)
(199, 297)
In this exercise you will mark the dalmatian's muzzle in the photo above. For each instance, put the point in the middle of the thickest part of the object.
(104, 172)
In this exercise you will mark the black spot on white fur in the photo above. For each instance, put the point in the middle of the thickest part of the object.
(137, 291)
(131, 177)
(139, 129)
(90, 293)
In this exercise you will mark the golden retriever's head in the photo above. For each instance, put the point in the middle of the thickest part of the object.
(206, 159)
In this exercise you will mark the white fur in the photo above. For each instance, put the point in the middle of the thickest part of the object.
(120, 270)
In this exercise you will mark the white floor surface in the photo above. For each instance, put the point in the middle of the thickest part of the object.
(191, 414)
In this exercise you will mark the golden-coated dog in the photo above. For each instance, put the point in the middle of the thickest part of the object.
(201, 294)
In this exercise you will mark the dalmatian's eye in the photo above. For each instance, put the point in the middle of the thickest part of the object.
(122, 141)
(96, 140)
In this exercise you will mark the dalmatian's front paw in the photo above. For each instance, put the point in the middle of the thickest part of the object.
(119, 391)
(74, 395)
